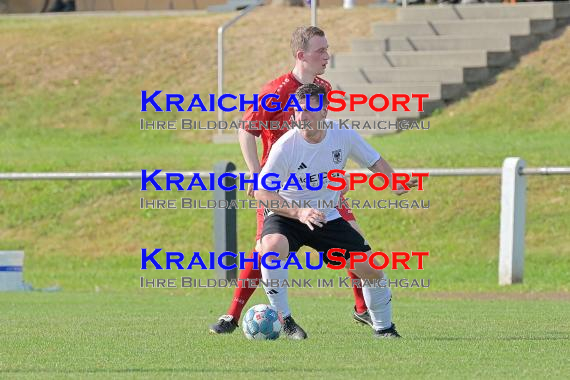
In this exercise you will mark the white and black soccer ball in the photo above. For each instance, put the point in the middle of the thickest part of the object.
(262, 322)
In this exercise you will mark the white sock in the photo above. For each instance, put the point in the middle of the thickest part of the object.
(277, 295)
(379, 302)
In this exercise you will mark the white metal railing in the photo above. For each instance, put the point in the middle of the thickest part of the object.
(513, 200)
(313, 12)
(434, 172)
(221, 31)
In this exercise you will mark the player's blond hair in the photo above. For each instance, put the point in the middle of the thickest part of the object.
(301, 36)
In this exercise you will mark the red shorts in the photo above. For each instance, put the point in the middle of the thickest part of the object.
(345, 213)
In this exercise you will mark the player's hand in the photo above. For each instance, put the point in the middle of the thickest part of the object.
(413, 182)
(311, 217)
(250, 190)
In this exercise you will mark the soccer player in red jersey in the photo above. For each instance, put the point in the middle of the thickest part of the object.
(310, 49)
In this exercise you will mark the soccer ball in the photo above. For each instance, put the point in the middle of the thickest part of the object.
(262, 322)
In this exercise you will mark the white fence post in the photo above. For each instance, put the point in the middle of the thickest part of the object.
(513, 210)
(314, 12)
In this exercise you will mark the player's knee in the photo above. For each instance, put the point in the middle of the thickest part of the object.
(365, 270)
(275, 243)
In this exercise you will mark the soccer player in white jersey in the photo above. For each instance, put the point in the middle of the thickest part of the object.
(313, 150)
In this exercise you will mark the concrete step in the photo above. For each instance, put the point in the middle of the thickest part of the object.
(347, 75)
(515, 27)
(476, 75)
(562, 9)
(443, 74)
(402, 29)
(395, 75)
(533, 11)
(422, 43)
(462, 58)
(435, 90)
(414, 74)
(477, 58)
(523, 44)
(372, 62)
(563, 21)
(356, 60)
(363, 110)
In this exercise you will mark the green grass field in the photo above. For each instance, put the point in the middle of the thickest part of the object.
(157, 335)
(69, 105)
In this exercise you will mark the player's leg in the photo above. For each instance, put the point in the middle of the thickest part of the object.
(378, 298)
(281, 236)
(360, 309)
(276, 293)
(242, 294)
(360, 313)
(339, 234)
(227, 323)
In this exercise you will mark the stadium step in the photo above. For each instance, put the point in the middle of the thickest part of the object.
(363, 110)
(461, 58)
(435, 89)
(344, 60)
(532, 11)
(515, 27)
(422, 43)
(445, 51)
(503, 43)
(458, 58)
(395, 75)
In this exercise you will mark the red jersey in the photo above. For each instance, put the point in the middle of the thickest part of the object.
(283, 86)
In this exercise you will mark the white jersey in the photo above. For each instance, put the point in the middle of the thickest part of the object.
(293, 154)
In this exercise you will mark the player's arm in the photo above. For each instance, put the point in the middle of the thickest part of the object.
(249, 151)
(247, 143)
(382, 166)
(367, 156)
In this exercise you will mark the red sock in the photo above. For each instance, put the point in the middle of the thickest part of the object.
(359, 303)
(243, 294)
